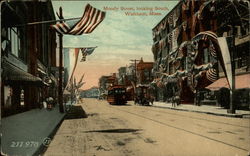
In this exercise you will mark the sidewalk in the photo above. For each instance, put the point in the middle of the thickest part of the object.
(26, 134)
(215, 110)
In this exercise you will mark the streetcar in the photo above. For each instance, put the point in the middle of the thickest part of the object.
(117, 95)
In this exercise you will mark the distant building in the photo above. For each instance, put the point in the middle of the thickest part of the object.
(90, 93)
(112, 80)
(131, 81)
(144, 77)
(121, 76)
(144, 72)
(103, 86)
(105, 82)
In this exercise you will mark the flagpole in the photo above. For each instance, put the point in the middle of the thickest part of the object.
(60, 93)
(80, 47)
(44, 22)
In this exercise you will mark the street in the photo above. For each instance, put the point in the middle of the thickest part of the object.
(138, 130)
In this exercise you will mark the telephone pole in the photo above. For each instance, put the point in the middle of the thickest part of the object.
(135, 79)
(135, 63)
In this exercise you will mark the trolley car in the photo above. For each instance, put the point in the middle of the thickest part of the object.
(117, 95)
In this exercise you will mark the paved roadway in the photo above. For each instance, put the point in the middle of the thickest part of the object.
(133, 130)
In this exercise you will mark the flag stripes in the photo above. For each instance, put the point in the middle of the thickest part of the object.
(86, 51)
(212, 50)
(91, 18)
(212, 75)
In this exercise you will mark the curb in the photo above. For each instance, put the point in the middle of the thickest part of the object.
(196, 111)
(42, 148)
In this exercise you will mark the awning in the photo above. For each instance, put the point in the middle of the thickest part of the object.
(241, 81)
(12, 73)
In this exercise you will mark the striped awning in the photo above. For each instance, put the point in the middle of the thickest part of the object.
(241, 81)
(14, 74)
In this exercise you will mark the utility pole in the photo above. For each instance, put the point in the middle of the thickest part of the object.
(135, 81)
(60, 93)
(135, 63)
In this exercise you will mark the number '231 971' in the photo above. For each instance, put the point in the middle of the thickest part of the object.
(25, 144)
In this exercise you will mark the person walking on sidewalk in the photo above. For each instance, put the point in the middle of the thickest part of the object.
(198, 93)
(176, 99)
(197, 98)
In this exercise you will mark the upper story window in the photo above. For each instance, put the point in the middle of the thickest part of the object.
(15, 41)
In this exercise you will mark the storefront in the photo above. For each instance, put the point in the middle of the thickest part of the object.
(17, 87)
(242, 90)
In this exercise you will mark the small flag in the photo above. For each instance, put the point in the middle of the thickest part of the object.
(91, 18)
(86, 51)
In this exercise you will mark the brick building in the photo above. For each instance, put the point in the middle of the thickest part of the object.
(144, 72)
(186, 50)
(28, 54)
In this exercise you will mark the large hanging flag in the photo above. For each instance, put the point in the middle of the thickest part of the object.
(74, 61)
(91, 18)
(86, 51)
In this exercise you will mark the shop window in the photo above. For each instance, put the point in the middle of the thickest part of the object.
(7, 96)
(244, 62)
(22, 98)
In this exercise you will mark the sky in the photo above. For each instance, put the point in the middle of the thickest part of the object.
(119, 38)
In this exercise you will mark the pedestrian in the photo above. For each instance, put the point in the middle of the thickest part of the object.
(198, 98)
(176, 99)
(152, 99)
(49, 102)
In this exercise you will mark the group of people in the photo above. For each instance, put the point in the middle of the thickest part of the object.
(48, 103)
(146, 100)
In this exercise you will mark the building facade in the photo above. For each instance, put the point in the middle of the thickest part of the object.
(28, 54)
(144, 77)
(187, 55)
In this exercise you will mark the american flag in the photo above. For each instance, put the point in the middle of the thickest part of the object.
(212, 49)
(85, 52)
(212, 74)
(91, 18)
